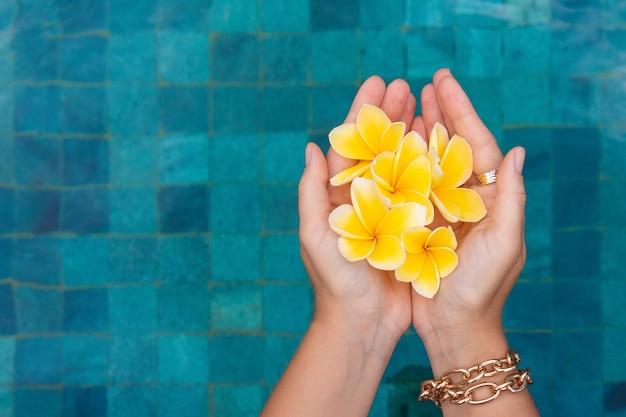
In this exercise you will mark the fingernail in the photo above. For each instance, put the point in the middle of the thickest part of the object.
(307, 154)
(520, 157)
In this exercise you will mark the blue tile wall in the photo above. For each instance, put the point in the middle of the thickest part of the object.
(149, 256)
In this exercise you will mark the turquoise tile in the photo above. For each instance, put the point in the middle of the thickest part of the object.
(428, 50)
(374, 14)
(85, 310)
(280, 257)
(37, 161)
(236, 308)
(612, 97)
(577, 52)
(133, 260)
(184, 159)
(7, 210)
(183, 209)
(184, 307)
(35, 109)
(283, 156)
(382, 51)
(8, 11)
(184, 16)
(133, 160)
(7, 170)
(569, 296)
(239, 401)
(287, 308)
(226, 220)
(524, 303)
(575, 101)
(8, 116)
(526, 51)
(37, 260)
(586, 212)
(85, 162)
(587, 13)
(525, 100)
(85, 261)
(92, 13)
(590, 405)
(234, 158)
(478, 52)
(329, 106)
(133, 58)
(490, 13)
(183, 359)
(83, 59)
(38, 311)
(30, 45)
(182, 401)
(37, 211)
(612, 340)
(234, 16)
(85, 360)
(134, 110)
(183, 57)
(236, 110)
(486, 96)
(294, 16)
(137, 401)
(138, 16)
(37, 402)
(613, 197)
(282, 109)
(6, 258)
(285, 59)
(531, 12)
(615, 39)
(279, 349)
(234, 358)
(613, 395)
(81, 401)
(132, 360)
(613, 152)
(280, 207)
(613, 296)
(85, 110)
(577, 351)
(235, 257)
(539, 255)
(328, 14)
(7, 59)
(576, 254)
(8, 322)
(137, 302)
(7, 361)
(540, 151)
(6, 402)
(184, 259)
(236, 58)
(133, 210)
(184, 109)
(536, 351)
(38, 361)
(611, 248)
(334, 56)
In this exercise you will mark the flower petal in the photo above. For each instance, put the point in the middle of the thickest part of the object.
(382, 170)
(416, 176)
(412, 146)
(436, 173)
(344, 221)
(442, 237)
(413, 197)
(392, 137)
(456, 163)
(392, 199)
(347, 142)
(369, 207)
(388, 254)
(401, 218)
(445, 259)
(448, 210)
(427, 283)
(411, 267)
(438, 138)
(355, 249)
(471, 207)
(415, 239)
(349, 174)
(372, 123)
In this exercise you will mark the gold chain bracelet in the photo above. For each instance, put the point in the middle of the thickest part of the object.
(461, 391)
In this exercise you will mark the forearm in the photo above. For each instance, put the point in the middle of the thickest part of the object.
(464, 348)
(335, 372)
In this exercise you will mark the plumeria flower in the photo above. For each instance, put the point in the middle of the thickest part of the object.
(430, 256)
(369, 229)
(404, 176)
(372, 134)
(451, 166)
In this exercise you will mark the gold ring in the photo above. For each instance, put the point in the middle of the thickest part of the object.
(488, 177)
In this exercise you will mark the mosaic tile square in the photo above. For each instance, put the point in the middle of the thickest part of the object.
(36, 109)
(7, 357)
(133, 160)
(85, 360)
(234, 16)
(225, 220)
(373, 15)
(428, 50)
(38, 361)
(183, 259)
(183, 57)
(612, 340)
(278, 352)
(613, 296)
(184, 159)
(6, 258)
(233, 358)
(569, 296)
(524, 100)
(30, 46)
(135, 17)
(283, 156)
(85, 261)
(183, 209)
(327, 14)
(183, 359)
(235, 257)
(613, 152)
(234, 158)
(7, 171)
(92, 13)
(382, 51)
(280, 207)
(239, 401)
(137, 401)
(37, 161)
(133, 58)
(7, 210)
(85, 310)
(529, 306)
(133, 260)
(182, 401)
(133, 210)
(8, 322)
(526, 50)
(184, 307)
(83, 59)
(573, 346)
(539, 255)
(294, 16)
(576, 254)
(193, 15)
(478, 52)
(37, 402)
(280, 257)
(7, 117)
(586, 213)
(329, 105)
(236, 58)
(591, 406)
(80, 401)
(132, 360)
(134, 110)
(584, 92)
(612, 196)
(84, 110)
(284, 109)
(37, 260)
(236, 110)
(539, 150)
(334, 55)
(85, 162)
(236, 308)
(184, 109)
(37, 311)
(140, 303)
(611, 99)
(286, 308)
(285, 58)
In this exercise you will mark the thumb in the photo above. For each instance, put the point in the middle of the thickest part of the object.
(510, 204)
(313, 200)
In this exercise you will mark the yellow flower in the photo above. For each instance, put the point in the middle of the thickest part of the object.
(404, 176)
(372, 134)
(430, 256)
(451, 166)
(369, 229)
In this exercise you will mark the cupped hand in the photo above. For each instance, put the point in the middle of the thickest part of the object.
(351, 291)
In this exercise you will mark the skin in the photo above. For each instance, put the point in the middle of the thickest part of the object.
(361, 313)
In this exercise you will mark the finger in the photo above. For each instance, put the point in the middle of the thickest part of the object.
(431, 112)
(313, 200)
(509, 207)
(409, 112)
(462, 119)
(371, 91)
(419, 127)
(395, 99)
